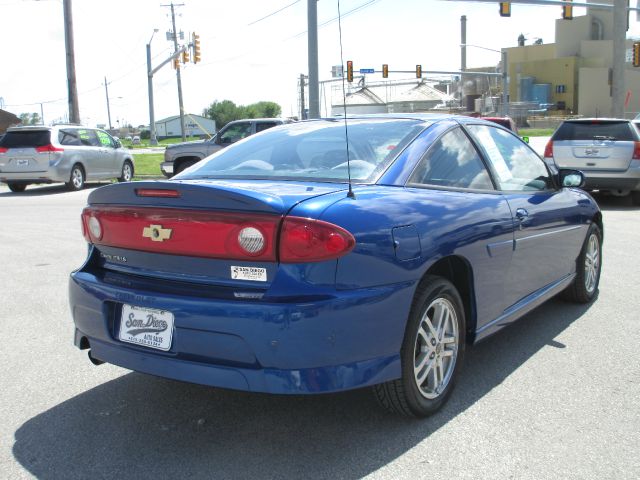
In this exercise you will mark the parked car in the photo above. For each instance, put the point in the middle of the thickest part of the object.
(506, 122)
(135, 140)
(264, 268)
(606, 150)
(181, 156)
(62, 153)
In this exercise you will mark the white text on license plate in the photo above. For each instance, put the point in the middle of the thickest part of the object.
(146, 326)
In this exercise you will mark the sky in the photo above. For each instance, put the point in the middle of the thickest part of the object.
(250, 53)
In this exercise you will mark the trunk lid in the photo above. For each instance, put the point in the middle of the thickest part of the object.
(185, 237)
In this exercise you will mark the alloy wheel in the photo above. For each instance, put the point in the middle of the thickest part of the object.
(436, 348)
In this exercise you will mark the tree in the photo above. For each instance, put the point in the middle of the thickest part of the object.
(226, 111)
(30, 118)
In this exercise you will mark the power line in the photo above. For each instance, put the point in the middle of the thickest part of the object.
(272, 13)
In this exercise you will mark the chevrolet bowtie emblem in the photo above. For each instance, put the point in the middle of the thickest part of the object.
(156, 233)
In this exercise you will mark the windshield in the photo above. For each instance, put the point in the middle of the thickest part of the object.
(315, 150)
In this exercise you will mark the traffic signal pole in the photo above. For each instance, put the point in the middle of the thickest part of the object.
(178, 78)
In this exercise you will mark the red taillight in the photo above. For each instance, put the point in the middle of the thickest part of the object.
(636, 150)
(215, 235)
(305, 240)
(157, 192)
(48, 148)
(184, 232)
(548, 150)
(3, 150)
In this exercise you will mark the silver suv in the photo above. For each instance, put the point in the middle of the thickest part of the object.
(181, 156)
(606, 150)
(62, 153)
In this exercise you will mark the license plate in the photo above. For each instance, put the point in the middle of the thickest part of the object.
(23, 162)
(146, 326)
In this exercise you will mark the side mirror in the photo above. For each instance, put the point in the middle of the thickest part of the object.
(117, 144)
(525, 139)
(572, 178)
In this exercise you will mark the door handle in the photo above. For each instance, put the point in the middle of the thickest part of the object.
(522, 215)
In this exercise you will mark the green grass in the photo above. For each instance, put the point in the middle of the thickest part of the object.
(148, 163)
(536, 132)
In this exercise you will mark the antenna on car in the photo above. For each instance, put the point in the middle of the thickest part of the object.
(350, 194)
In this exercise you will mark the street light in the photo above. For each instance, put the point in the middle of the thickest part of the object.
(152, 120)
(505, 78)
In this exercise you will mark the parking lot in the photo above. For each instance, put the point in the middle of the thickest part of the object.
(557, 395)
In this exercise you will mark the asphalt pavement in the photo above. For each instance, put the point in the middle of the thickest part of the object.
(557, 395)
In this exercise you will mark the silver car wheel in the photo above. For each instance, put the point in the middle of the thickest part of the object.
(77, 178)
(436, 348)
(126, 172)
(592, 263)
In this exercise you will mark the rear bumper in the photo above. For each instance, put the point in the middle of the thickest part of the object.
(614, 180)
(53, 174)
(349, 341)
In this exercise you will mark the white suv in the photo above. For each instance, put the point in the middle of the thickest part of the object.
(606, 150)
(62, 153)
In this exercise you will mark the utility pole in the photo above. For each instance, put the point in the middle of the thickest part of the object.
(74, 111)
(463, 43)
(505, 85)
(106, 91)
(302, 106)
(312, 29)
(152, 120)
(175, 46)
(617, 71)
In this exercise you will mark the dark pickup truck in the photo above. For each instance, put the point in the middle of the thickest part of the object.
(182, 155)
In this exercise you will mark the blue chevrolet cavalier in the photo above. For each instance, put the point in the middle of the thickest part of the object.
(330, 255)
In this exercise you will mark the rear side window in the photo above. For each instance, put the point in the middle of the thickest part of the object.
(595, 130)
(69, 137)
(452, 162)
(264, 125)
(26, 139)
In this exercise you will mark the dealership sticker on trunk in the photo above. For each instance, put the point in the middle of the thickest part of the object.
(255, 274)
(146, 326)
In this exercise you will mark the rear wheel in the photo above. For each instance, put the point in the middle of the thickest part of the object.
(588, 267)
(635, 198)
(127, 172)
(76, 179)
(431, 354)
(17, 187)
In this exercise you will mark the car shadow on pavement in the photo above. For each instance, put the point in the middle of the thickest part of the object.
(613, 203)
(56, 189)
(138, 426)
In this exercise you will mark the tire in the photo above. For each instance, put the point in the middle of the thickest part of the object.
(588, 267)
(184, 165)
(127, 172)
(76, 179)
(17, 187)
(635, 198)
(422, 391)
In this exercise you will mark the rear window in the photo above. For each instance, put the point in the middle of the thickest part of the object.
(26, 139)
(313, 151)
(595, 130)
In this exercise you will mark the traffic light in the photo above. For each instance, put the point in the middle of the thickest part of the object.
(176, 63)
(636, 54)
(196, 48)
(385, 70)
(349, 71)
(505, 9)
(567, 11)
(418, 71)
(185, 55)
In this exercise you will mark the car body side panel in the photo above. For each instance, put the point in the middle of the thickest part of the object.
(477, 227)
(550, 227)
